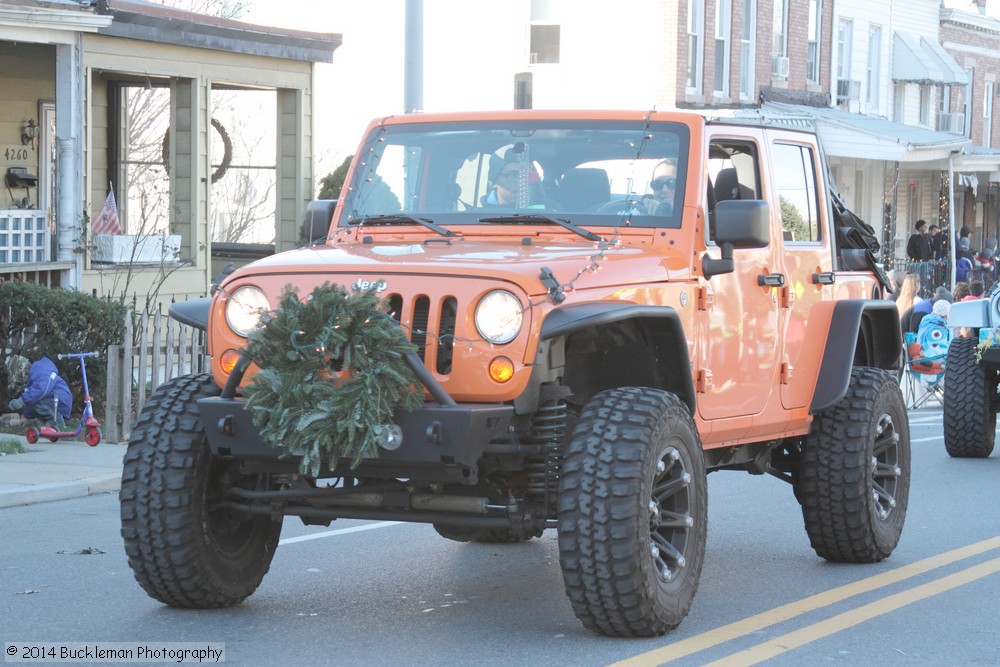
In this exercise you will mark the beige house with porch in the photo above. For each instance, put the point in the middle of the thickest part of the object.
(188, 119)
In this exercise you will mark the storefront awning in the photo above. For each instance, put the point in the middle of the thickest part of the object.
(846, 134)
(924, 61)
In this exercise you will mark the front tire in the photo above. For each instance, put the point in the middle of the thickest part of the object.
(633, 509)
(854, 478)
(183, 551)
(970, 420)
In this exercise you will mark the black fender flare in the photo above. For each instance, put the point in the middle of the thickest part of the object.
(878, 321)
(664, 321)
(193, 313)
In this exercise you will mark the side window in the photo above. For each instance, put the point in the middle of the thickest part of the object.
(733, 172)
(796, 185)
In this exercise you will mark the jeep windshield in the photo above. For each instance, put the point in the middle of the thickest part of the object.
(586, 172)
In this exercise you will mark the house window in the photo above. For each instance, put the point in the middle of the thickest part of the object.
(779, 45)
(797, 193)
(987, 114)
(874, 70)
(696, 31)
(967, 101)
(723, 26)
(925, 105)
(813, 45)
(544, 44)
(747, 42)
(944, 99)
(845, 35)
(899, 103)
(244, 169)
(137, 141)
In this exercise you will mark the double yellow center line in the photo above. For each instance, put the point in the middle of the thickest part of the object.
(778, 645)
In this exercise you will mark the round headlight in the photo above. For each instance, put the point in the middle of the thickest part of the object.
(244, 308)
(498, 317)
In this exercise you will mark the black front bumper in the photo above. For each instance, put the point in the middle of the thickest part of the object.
(441, 443)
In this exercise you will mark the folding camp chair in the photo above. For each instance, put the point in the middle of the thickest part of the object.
(923, 377)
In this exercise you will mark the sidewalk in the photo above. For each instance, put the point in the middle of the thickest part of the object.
(59, 470)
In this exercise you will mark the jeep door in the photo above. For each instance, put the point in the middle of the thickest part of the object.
(738, 329)
(806, 260)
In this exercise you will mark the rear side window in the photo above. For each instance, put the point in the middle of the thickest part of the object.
(795, 175)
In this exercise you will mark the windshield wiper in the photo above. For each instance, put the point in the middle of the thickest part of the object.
(397, 219)
(541, 220)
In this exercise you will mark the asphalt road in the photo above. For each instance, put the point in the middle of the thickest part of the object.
(371, 593)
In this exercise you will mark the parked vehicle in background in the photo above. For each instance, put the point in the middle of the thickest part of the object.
(588, 358)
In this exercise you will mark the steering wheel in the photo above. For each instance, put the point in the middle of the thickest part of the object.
(627, 206)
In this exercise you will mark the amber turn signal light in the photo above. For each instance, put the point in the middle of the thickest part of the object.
(501, 369)
(228, 361)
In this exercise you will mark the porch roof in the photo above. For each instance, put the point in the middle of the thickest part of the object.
(151, 22)
(856, 135)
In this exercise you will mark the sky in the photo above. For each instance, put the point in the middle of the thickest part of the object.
(365, 80)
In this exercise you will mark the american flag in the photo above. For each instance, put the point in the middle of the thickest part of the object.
(107, 222)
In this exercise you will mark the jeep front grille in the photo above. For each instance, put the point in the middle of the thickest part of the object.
(431, 330)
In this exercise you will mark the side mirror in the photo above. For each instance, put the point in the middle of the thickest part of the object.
(739, 223)
(319, 213)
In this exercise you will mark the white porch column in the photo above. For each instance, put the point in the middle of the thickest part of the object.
(69, 158)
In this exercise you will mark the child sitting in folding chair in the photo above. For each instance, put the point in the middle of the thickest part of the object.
(926, 352)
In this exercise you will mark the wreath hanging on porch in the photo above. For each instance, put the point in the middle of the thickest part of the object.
(331, 374)
(227, 151)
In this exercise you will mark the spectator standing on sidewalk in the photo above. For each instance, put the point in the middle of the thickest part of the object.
(918, 247)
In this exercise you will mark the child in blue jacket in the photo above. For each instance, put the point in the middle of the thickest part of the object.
(46, 395)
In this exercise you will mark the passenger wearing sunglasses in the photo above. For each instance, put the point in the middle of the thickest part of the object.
(662, 184)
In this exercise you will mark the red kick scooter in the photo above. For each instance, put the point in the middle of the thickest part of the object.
(89, 426)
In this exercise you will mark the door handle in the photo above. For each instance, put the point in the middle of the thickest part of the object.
(771, 280)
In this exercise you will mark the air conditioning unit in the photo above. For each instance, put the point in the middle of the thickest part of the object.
(848, 90)
(779, 66)
(952, 122)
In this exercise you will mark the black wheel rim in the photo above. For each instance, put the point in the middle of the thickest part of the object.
(885, 466)
(670, 520)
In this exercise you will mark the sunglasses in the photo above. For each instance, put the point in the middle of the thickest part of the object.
(507, 176)
(661, 183)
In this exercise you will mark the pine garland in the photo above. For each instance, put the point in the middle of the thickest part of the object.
(331, 373)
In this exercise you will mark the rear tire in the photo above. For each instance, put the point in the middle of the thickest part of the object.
(633, 506)
(183, 551)
(854, 478)
(970, 419)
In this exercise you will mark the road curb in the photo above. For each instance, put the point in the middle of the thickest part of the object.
(40, 493)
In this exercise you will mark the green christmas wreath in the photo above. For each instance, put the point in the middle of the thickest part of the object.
(331, 374)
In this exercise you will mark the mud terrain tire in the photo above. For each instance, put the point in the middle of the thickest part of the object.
(970, 420)
(633, 508)
(181, 551)
(854, 478)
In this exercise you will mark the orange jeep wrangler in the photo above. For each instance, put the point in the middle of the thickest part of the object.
(606, 306)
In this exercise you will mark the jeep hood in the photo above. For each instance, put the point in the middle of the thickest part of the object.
(488, 259)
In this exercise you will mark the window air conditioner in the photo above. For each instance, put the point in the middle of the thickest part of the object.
(779, 66)
(952, 122)
(848, 90)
